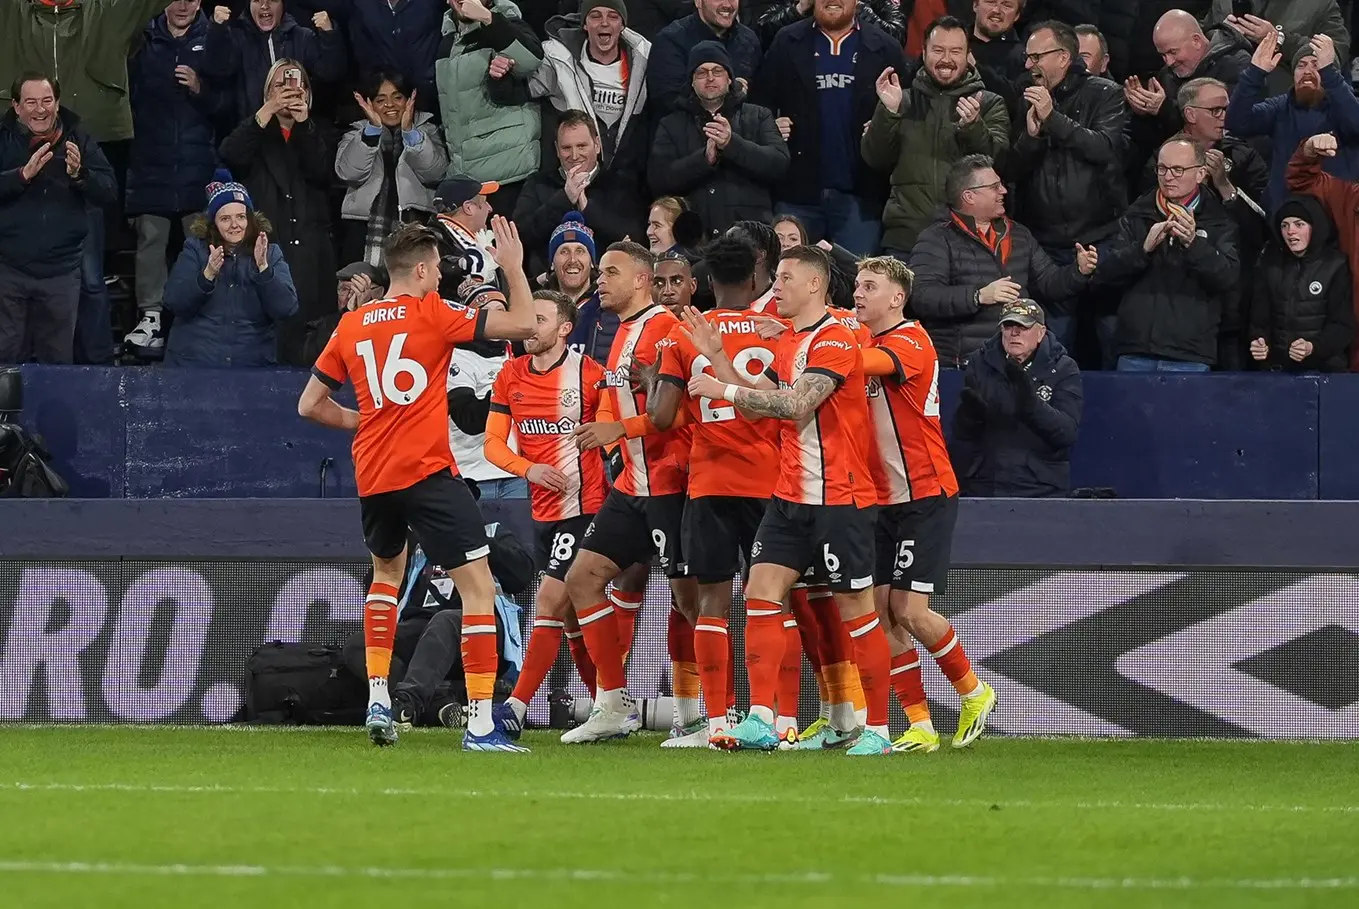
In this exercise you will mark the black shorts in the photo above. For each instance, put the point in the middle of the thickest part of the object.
(631, 529)
(835, 540)
(719, 532)
(556, 544)
(439, 510)
(915, 544)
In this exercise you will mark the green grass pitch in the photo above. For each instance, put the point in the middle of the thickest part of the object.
(199, 817)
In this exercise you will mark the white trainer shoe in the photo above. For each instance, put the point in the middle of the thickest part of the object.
(148, 335)
(696, 739)
(603, 725)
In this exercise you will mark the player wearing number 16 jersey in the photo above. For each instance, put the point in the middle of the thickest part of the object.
(918, 498)
(733, 462)
(823, 506)
(541, 398)
(407, 480)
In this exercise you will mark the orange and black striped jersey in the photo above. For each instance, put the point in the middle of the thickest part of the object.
(655, 464)
(911, 458)
(542, 410)
(825, 456)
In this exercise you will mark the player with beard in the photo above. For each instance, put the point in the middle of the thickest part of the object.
(543, 396)
(918, 504)
(824, 501)
(918, 132)
(1321, 101)
(643, 513)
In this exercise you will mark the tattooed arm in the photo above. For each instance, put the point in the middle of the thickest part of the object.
(708, 342)
(795, 403)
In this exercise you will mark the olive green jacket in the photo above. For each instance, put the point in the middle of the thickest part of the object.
(85, 45)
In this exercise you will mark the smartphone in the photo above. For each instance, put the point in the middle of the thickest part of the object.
(292, 78)
(1243, 8)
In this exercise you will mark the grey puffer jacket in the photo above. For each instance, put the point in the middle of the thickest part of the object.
(419, 169)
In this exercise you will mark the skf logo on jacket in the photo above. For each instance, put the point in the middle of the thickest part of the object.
(835, 80)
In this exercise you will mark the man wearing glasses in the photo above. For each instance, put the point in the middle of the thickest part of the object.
(1067, 161)
(1239, 176)
(1177, 254)
(975, 259)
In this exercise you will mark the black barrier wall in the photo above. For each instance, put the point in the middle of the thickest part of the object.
(1204, 652)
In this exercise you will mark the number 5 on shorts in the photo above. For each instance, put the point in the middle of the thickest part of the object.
(905, 557)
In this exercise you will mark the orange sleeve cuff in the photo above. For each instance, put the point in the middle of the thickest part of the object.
(878, 363)
(497, 449)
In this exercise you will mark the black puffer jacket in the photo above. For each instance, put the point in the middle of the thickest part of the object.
(1127, 26)
(1305, 297)
(951, 265)
(1015, 425)
(614, 210)
(289, 180)
(1173, 305)
(1069, 180)
(1250, 176)
(885, 14)
(738, 186)
(1228, 57)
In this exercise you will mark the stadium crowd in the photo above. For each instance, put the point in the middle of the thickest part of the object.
(1008, 190)
(339, 120)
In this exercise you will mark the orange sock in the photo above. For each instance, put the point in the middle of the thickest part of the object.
(600, 627)
(854, 684)
(626, 604)
(679, 640)
(580, 655)
(545, 642)
(379, 634)
(711, 641)
(908, 686)
(873, 657)
(952, 661)
(479, 656)
(764, 652)
(790, 670)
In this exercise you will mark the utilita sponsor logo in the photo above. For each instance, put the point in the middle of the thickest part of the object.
(541, 427)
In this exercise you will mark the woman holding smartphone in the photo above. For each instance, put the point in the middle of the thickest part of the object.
(285, 158)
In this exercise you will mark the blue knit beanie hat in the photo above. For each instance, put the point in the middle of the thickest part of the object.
(571, 230)
(223, 190)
